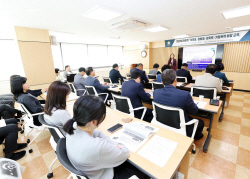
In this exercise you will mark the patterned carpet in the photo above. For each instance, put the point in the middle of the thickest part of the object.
(228, 154)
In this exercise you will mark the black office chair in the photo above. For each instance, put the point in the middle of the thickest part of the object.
(157, 85)
(107, 80)
(92, 91)
(56, 134)
(207, 92)
(74, 90)
(181, 79)
(63, 158)
(152, 76)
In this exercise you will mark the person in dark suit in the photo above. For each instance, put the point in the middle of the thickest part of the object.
(79, 81)
(220, 75)
(114, 74)
(91, 81)
(144, 78)
(134, 90)
(171, 96)
(183, 72)
(131, 70)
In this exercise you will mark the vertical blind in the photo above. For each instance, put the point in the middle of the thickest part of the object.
(81, 55)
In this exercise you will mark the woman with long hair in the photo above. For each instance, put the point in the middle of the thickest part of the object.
(55, 106)
(91, 151)
(172, 62)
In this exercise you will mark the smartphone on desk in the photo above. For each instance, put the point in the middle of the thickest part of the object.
(114, 128)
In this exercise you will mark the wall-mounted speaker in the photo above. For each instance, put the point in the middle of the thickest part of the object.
(53, 40)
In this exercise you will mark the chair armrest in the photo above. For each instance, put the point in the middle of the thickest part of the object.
(193, 121)
(37, 114)
(138, 108)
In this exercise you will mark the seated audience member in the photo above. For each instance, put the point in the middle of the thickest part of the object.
(171, 96)
(208, 80)
(58, 76)
(115, 75)
(91, 81)
(67, 71)
(9, 133)
(183, 72)
(6, 111)
(90, 150)
(164, 67)
(55, 107)
(220, 75)
(79, 81)
(19, 89)
(35, 93)
(134, 90)
(132, 69)
(155, 70)
(144, 78)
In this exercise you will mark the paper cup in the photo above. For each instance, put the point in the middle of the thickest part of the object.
(201, 97)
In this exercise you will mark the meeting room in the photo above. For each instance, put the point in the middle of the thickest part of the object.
(125, 89)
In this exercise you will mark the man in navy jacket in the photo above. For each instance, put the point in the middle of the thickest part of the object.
(183, 72)
(114, 74)
(136, 93)
(144, 78)
(171, 96)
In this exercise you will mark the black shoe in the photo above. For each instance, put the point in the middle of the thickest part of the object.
(197, 138)
(20, 146)
(19, 128)
(17, 155)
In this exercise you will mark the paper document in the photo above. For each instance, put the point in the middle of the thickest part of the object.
(2, 123)
(134, 135)
(179, 84)
(150, 92)
(158, 150)
(200, 104)
(72, 96)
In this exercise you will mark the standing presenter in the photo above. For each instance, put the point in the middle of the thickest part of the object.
(172, 62)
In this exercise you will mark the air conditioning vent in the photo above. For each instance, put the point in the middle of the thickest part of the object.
(128, 25)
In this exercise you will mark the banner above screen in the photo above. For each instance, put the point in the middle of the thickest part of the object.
(210, 39)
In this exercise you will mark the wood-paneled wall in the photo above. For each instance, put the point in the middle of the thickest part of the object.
(35, 50)
(236, 57)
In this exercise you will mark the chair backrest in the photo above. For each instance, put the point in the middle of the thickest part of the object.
(107, 80)
(72, 87)
(169, 117)
(62, 156)
(181, 79)
(157, 85)
(54, 130)
(70, 77)
(128, 75)
(24, 109)
(91, 90)
(123, 104)
(207, 92)
(152, 76)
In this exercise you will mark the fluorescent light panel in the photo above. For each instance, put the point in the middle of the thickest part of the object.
(156, 29)
(101, 14)
(238, 12)
(241, 28)
(181, 36)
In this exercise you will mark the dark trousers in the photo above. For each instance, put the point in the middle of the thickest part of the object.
(126, 170)
(7, 111)
(198, 134)
(10, 134)
(147, 117)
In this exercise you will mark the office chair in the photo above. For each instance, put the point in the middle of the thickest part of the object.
(64, 160)
(152, 76)
(107, 80)
(157, 85)
(123, 104)
(173, 119)
(74, 90)
(28, 122)
(92, 91)
(56, 134)
(207, 92)
(181, 79)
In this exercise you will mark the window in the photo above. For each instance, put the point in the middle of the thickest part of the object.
(11, 62)
(98, 55)
(57, 57)
(75, 55)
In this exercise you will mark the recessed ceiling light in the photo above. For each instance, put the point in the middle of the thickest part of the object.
(156, 29)
(238, 12)
(101, 14)
(241, 28)
(181, 36)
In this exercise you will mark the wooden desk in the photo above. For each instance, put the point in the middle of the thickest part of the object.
(180, 159)
(115, 90)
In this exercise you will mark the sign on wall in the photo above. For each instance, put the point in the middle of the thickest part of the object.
(210, 39)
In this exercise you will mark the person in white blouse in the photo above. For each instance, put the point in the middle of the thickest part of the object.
(58, 76)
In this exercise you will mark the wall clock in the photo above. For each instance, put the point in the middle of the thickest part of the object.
(143, 54)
